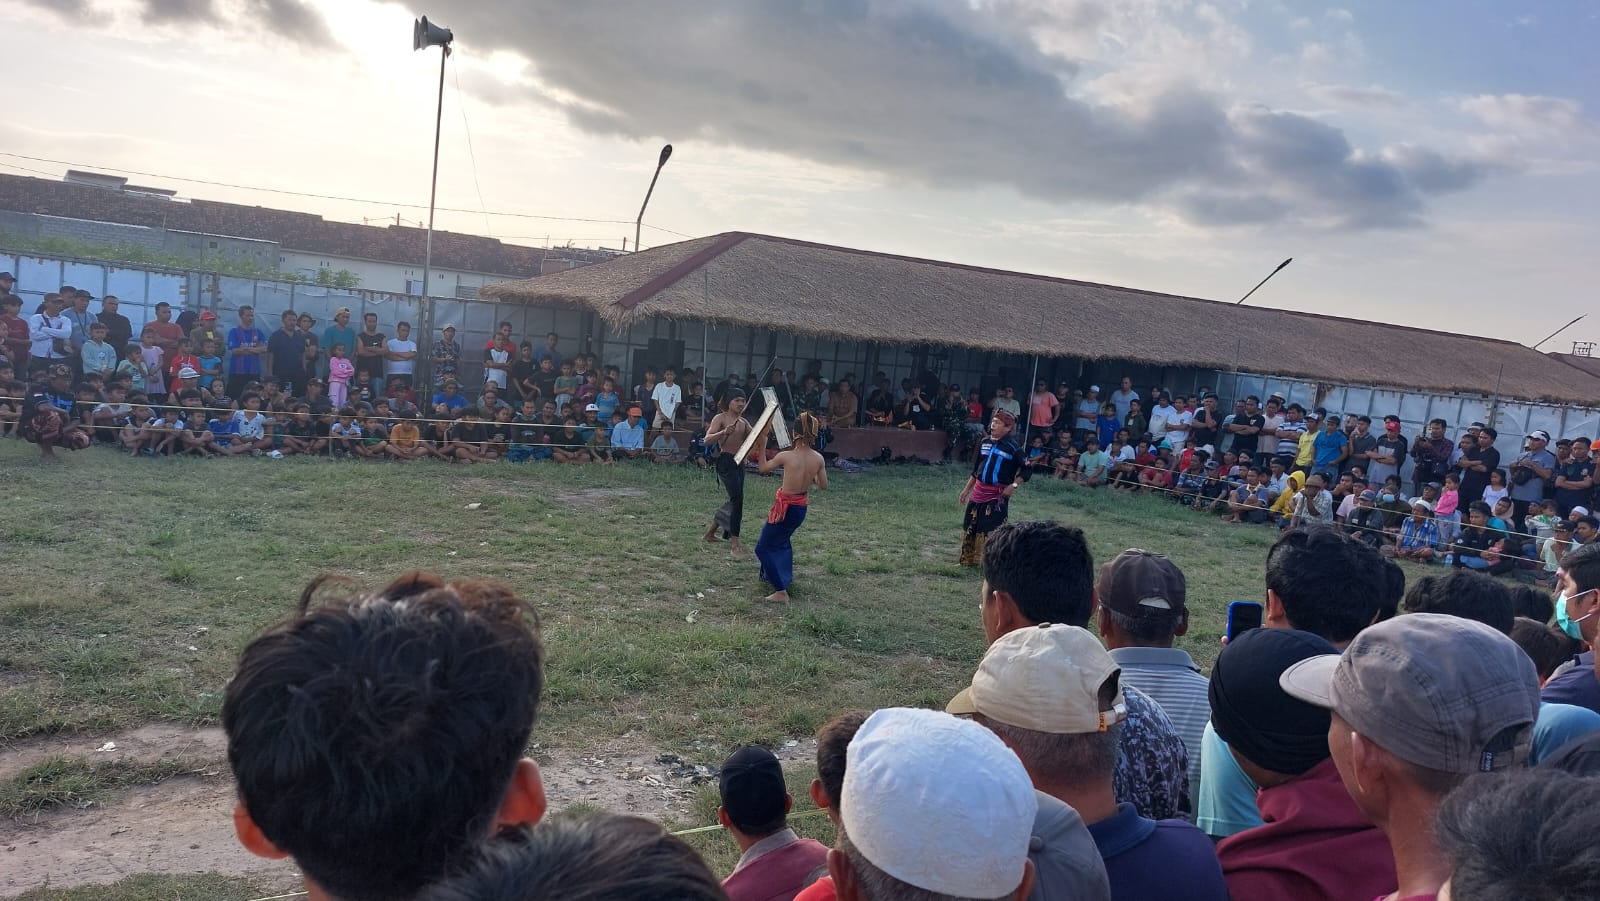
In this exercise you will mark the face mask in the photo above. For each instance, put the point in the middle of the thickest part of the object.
(1388, 498)
(1568, 625)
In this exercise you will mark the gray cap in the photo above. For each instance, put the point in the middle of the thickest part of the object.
(1437, 691)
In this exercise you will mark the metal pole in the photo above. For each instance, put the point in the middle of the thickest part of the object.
(1263, 281)
(1560, 330)
(1032, 385)
(433, 192)
(705, 343)
(638, 224)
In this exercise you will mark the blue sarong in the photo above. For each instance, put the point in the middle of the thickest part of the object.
(775, 552)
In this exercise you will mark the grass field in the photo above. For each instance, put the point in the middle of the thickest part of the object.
(135, 583)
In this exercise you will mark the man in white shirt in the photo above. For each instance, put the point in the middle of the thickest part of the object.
(400, 355)
(667, 394)
(1162, 415)
(45, 328)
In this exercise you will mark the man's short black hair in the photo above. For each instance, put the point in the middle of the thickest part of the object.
(1490, 431)
(373, 737)
(606, 857)
(1394, 589)
(1523, 834)
(1533, 603)
(1464, 593)
(1045, 567)
(1330, 585)
(833, 739)
(1545, 645)
(1582, 564)
(1589, 521)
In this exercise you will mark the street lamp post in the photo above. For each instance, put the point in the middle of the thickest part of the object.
(638, 224)
(426, 34)
(1263, 281)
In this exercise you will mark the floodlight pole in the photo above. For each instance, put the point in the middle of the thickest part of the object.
(1560, 330)
(433, 191)
(638, 224)
(1263, 281)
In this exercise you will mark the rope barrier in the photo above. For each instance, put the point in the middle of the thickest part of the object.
(809, 812)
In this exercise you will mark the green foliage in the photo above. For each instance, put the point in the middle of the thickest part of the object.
(133, 254)
(72, 782)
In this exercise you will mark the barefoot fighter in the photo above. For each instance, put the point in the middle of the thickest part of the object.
(803, 467)
(727, 430)
(996, 472)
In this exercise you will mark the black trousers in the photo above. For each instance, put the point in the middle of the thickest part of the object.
(731, 514)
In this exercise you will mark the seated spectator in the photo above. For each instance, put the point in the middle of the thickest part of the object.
(605, 857)
(773, 861)
(1418, 539)
(450, 396)
(1544, 644)
(627, 438)
(1093, 464)
(932, 804)
(1314, 843)
(1318, 581)
(1522, 835)
(1364, 523)
(1249, 501)
(1534, 603)
(1466, 594)
(1042, 572)
(1419, 703)
(1283, 502)
(1143, 608)
(1067, 741)
(1480, 547)
(378, 738)
(1312, 505)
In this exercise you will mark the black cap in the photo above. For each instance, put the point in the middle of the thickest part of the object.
(752, 788)
(1252, 712)
(7, 277)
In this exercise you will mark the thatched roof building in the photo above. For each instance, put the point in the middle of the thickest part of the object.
(840, 293)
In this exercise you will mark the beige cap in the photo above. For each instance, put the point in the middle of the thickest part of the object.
(1045, 678)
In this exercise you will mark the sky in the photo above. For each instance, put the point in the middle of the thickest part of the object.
(1434, 163)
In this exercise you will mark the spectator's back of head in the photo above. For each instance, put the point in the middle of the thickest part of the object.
(1325, 583)
(1523, 835)
(1272, 730)
(754, 798)
(1464, 593)
(833, 743)
(600, 858)
(1044, 568)
(1534, 603)
(1544, 644)
(1143, 600)
(935, 804)
(377, 738)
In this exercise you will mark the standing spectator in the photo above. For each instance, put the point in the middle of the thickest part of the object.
(1314, 843)
(1246, 429)
(1332, 448)
(773, 861)
(49, 331)
(1476, 464)
(14, 332)
(1225, 433)
(523, 370)
(1088, 408)
(1042, 572)
(932, 803)
(205, 330)
(1206, 425)
(446, 356)
(1574, 478)
(1123, 398)
(497, 355)
(1390, 453)
(1528, 476)
(1143, 608)
(77, 313)
(400, 356)
(167, 332)
(666, 397)
(286, 355)
(1162, 415)
(1430, 455)
(1363, 445)
(549, 352)
(1066, 737)
(339, 332)
(1043, 406)
(1006, 399)
(246, 345)
(371, 347)
(1137, 424)
(1419, 703)
(119, 331)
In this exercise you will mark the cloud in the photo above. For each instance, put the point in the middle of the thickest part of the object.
(1372, 97)
(1527, 113)
(296, 20)
(949, 96)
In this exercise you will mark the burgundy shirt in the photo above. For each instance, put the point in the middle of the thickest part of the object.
(1314, 845)
(777, 872)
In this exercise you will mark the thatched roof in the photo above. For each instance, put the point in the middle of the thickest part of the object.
(836, 292)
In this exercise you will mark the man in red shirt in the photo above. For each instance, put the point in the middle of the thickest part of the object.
(1419, 703)
(168, 333)
(774, 863)
(1042, 408)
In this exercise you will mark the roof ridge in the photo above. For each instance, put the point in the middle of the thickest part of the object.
(719, 245)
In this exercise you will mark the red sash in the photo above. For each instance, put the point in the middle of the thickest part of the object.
(780, 506)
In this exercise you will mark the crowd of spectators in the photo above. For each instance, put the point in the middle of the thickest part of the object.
(1367, 741)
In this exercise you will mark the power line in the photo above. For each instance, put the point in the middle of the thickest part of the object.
(285, 191)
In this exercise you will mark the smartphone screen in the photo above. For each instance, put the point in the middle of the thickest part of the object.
(1242, 617)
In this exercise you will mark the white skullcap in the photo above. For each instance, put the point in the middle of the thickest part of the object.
(938, 802)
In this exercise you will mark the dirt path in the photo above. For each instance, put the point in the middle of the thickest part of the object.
(184, 824)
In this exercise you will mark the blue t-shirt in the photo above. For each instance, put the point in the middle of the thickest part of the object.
(1106, 429)
(1575, 686)
(1226, 802)
(244, 364)
(626, 437)
(1559, 724)
(1158, 859)
(1327, 446)
(455, 402)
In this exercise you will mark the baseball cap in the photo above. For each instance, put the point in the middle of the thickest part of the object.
(752, 789)
(1562, 525)
(1540, 434)
(1369, 495)
(1094, 387)
(447, 327)
(1437, 691)
(1581, 510)
(591, 408)
(1138, 580)
(938, 802)
(635, 411)
(7, 277)
(188, 372)
(207, 314)
(1045, 678)
(1251, 711)
(341, 310)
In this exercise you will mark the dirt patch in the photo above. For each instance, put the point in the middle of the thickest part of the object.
(595, 498)
(184, 825)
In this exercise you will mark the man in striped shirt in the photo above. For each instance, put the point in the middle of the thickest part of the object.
(1142, 609)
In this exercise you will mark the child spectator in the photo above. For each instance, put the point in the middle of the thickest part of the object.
(340, 372)
(566, 385)
(523, 369)
(298, 433)
(253, 434)
(665, 447)
(405, 439)
(1447, 511)
(362, 390)
(500, 431)
(151, 368)
(209, 361)
(600, 445)
(468, 438)
(344, 436)
(1497, 488)
(184, 358)
(374, 443)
